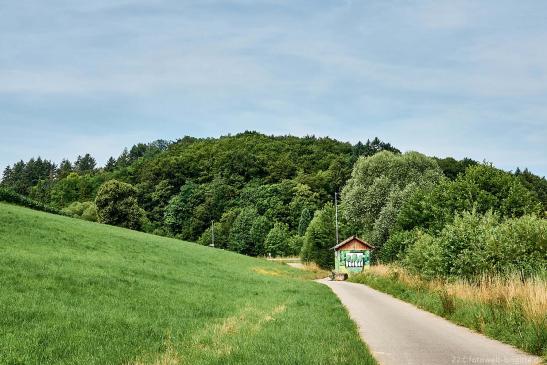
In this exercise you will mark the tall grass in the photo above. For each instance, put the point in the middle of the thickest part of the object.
(507, 308)
(315, 270)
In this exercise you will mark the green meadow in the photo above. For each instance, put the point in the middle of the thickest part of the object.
(76, 292)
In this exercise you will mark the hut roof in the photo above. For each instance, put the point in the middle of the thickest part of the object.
(348, 240)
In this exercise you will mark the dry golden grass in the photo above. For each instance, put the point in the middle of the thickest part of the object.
(312, 267)
(530, 295)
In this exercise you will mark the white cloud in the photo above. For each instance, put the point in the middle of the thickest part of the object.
(444, 77)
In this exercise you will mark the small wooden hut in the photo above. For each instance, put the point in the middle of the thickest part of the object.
(351, 257)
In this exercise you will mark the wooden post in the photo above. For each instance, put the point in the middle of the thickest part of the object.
(336, 214)
(213, 233)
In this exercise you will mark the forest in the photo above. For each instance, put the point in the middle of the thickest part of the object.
(273, 195)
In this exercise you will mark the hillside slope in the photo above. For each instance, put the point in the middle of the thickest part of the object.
(80, 292)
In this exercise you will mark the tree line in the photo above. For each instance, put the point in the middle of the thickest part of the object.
(260, 191)
(273, 194)
(480, 221)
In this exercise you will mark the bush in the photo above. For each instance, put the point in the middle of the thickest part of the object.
(395, 248)
(12, 197)
(520, 245)
(475, 245)
(206, 238)
(117, 205)
(90, 213)
(425, 257)
(85, 210)
(465, 244)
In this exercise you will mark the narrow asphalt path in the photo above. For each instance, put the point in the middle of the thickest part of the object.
(398, 333)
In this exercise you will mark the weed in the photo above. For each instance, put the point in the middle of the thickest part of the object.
(507, 308)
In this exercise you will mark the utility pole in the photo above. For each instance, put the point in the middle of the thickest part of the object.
(213, 233)
(336, 214)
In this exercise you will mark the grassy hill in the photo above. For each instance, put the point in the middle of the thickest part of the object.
(79, 292)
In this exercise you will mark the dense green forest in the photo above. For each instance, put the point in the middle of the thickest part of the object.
(273, 194)
(248, 184)
(483, 221)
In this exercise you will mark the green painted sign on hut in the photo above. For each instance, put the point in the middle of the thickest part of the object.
(351, 257)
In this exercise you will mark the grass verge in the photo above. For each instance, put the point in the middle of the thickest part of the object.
(76, 292)
(509, 310)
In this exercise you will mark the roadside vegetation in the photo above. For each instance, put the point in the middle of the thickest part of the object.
(502, 307)
(80, 292)
(472, 248)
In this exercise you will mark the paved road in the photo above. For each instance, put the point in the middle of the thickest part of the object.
(398, 333)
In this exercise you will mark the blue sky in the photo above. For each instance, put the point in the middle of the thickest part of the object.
(446, 78)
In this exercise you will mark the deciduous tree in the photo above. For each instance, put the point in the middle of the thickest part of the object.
(117, 205)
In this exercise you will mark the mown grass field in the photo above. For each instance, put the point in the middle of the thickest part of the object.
(507, 309)
(74, 292)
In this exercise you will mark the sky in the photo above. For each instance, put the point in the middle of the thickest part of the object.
(446, 78)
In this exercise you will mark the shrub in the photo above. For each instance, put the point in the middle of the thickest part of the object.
(90, 212)
(206, 238)
(397, 245)
(75, 209)
(447, 301)
(476, 244)
(520, 245)
(425, 257)
(85, 210)
(9, 196)
(117, 205)
(465, 244)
